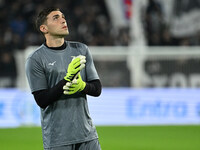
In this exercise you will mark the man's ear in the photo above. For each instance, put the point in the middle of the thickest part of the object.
(44, 29)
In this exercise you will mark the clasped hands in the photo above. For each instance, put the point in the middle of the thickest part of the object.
(74, 81)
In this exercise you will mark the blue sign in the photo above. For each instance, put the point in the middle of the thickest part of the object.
(120, 106)
(146, 107)
(18, 108)
(1, 109)
(156, 108)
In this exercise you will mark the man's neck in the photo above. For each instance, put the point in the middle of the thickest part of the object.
(54, 42)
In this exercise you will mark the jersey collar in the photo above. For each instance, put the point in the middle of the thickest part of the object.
(62, 47)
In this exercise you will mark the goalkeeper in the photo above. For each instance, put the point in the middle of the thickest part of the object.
(60, 85)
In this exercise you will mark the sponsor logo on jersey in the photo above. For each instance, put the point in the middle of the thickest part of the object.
(51, 64)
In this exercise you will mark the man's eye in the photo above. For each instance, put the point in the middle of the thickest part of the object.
(55, 18)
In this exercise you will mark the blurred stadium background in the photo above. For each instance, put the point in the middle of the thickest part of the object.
(147, 54)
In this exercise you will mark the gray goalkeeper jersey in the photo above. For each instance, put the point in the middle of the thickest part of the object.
(66, 121)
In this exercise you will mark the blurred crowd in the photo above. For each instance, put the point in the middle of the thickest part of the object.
(88, 22)
(157, 30)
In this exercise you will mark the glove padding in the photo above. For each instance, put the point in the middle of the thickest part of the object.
(77, 85)
(77, 64)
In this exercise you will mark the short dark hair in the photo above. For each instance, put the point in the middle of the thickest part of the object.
(42, 16)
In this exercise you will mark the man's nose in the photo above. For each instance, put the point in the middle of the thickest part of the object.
(63, 21)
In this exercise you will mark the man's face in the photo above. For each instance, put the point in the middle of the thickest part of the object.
(56, 24)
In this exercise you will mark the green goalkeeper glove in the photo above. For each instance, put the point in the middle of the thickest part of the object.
(74, 67)
(77, 85)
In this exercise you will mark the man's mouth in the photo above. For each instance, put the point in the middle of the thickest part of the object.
(65, 27)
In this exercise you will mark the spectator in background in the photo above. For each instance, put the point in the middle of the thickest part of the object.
(153, 22)
(166, 38)
(8, 69)
(19, 26)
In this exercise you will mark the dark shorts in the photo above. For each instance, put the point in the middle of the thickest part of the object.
(89, 145)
